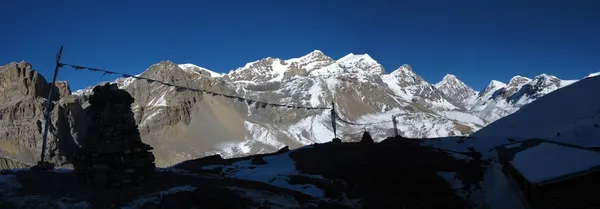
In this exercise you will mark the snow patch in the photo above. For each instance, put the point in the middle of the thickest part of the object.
(548, 161)
(463, 117)
(275, 172)
(593, 75)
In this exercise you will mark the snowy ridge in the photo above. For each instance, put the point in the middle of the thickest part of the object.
(191, 68)
(499, 99)
(567, 115)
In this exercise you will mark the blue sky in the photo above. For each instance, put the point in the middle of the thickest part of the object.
(476, 40)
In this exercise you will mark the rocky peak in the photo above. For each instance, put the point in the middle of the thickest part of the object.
(545, 80)
(407, 76)
(63, 88)
(18, 79)
(166, 71)
(518, 81)
(540, 85)
(514, 85)
(266, 69)
(455, 89)
(353, 65)
(314, 60)
(449, 80)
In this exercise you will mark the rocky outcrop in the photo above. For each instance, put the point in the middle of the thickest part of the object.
(6, 163)
(23, 91)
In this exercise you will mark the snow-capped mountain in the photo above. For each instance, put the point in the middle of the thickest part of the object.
(455, 89)
(275, 69)
(498, 99)
(198, 124)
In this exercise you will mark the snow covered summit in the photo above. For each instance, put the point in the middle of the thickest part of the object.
(455, 89)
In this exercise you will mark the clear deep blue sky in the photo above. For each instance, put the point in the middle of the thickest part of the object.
(476, 40)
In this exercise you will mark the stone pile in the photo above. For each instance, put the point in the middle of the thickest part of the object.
(366, 138)
(113, 154)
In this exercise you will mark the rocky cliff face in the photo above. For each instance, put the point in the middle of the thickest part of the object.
(23, 93)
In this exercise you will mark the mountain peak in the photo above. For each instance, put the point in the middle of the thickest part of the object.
(545, 76)
(497, 84)
(317, 52)
(518, 81)
(455, 89)
(192, 68)
(407, 67)
(354, 58)
(449, 77)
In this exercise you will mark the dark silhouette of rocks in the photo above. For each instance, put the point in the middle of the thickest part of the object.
(336, 141)
(366, 138)
(113, 153)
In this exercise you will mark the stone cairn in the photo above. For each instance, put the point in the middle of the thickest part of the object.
(113, 154)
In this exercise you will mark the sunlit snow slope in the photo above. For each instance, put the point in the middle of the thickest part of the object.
(570, 115)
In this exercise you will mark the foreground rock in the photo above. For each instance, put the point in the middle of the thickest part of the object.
(113, 153)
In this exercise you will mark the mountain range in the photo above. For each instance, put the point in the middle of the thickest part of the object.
(183, 125)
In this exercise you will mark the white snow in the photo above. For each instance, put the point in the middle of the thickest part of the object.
(548, 161)
(315, 92)
(191, 68)
(448, 78)
(593, 74)
(275, 172)
(463, 117)
(355, 64)
(392, 83)
(148, 117)
(262, 134)
(159, 101)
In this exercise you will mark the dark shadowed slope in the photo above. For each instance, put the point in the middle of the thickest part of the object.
(390, 174)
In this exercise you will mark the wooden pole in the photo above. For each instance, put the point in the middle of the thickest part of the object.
(333, 120)
(48, 105)
(395, 126)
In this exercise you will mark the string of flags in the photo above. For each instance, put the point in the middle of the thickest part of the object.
(259, 104)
